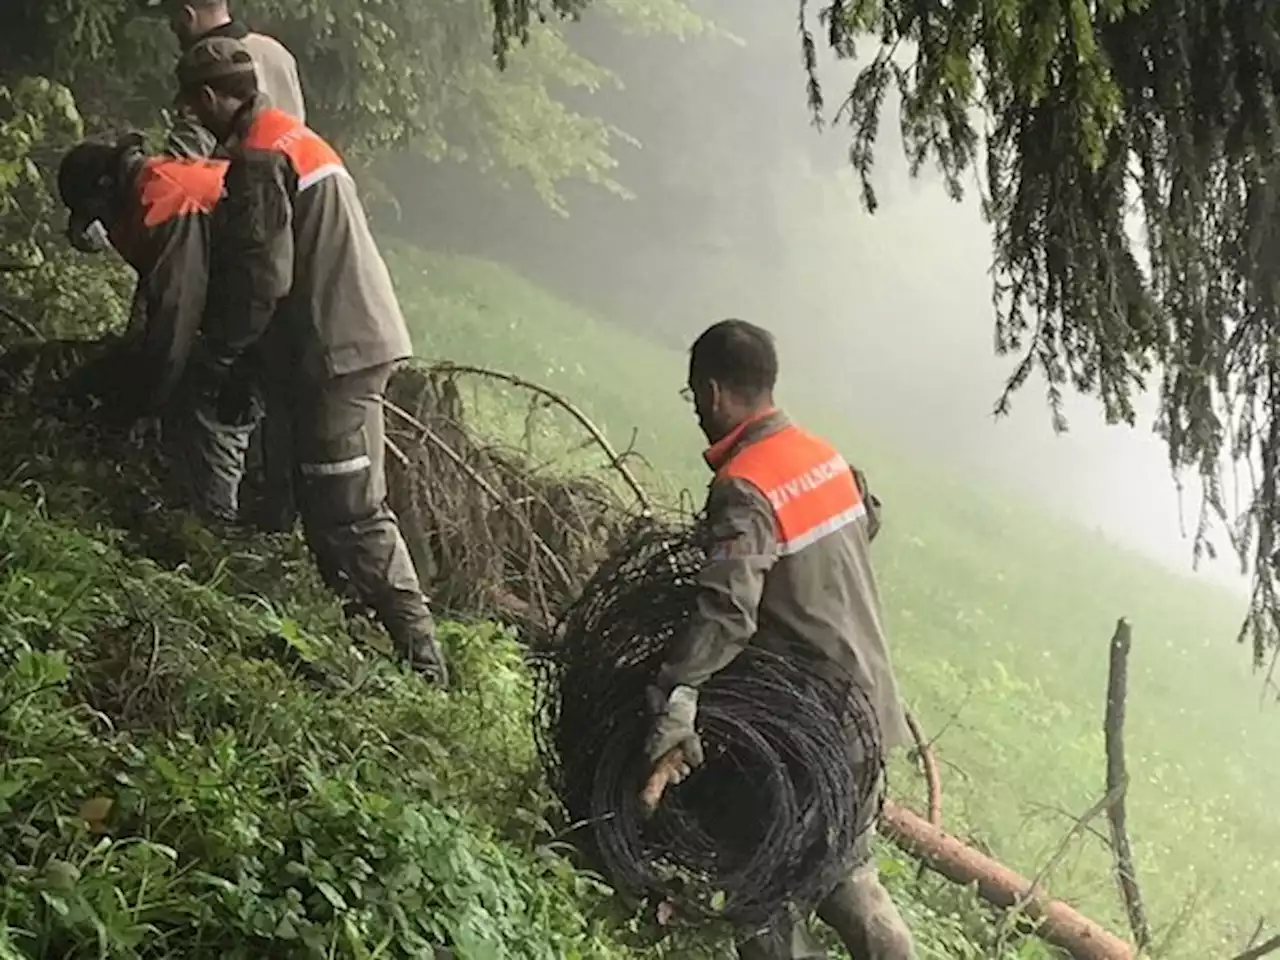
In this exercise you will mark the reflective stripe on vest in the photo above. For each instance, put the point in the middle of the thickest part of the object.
(312, 158)
(807, 483)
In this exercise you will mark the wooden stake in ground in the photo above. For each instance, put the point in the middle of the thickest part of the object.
(1118, 784)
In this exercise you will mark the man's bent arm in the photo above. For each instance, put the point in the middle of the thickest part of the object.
(729, 586)
(187, 139)
(253, 253)
(174, 295)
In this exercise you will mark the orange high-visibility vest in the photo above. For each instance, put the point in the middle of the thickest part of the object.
(167, 188)
(312, 158)
(808, 484)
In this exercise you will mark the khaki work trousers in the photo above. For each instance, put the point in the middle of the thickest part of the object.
(339, 440)
(860, 912)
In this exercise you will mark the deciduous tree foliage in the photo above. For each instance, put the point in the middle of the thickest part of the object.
(1128, 150)
(417, 76)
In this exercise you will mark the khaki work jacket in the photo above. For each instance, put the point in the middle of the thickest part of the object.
(294, 259)
(792, 566)
(163, 233)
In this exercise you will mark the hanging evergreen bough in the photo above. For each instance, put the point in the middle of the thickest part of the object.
(1131, 169)
(791, 780)
(1129, 151)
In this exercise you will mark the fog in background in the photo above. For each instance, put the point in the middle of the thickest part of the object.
(742, 208)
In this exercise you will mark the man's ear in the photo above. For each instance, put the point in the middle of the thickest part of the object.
(202, 99)
(716, 393)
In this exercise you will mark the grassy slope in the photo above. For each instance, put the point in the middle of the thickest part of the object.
(292, 798)
(1000, 623)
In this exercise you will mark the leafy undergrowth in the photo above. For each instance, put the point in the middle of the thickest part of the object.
(999, 617)
(199, 757)
(183, 775)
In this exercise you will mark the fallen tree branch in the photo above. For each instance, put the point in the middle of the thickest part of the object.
(929, 764)
(1118, 782)
(26, 326)
(1059, 924)
(615, 460)
(431, 437)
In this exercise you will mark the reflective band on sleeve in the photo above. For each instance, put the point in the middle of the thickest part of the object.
(339, 469)
(323, 173)
(826, 528)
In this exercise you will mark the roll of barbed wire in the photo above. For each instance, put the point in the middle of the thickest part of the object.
(791, 780)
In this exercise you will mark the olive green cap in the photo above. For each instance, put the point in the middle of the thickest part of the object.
(213, 59)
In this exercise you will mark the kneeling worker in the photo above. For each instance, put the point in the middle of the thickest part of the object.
(302, 303)
(791, 571)
(155, 211)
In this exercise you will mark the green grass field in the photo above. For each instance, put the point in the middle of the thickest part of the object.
(1000, 618)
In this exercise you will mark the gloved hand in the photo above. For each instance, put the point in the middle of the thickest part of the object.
(205, 379)
(223, 391)
(237, 403)
(673, 727)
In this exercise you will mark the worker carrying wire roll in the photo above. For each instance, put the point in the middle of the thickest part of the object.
(790, 570)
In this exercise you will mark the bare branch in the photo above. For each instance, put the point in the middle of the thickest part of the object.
(26, 326)
(434, 439)
(1261, 950)
(1118, 783)
(929, 764)
(615, 461)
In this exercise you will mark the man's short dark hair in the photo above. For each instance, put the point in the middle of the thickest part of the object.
(738, 355)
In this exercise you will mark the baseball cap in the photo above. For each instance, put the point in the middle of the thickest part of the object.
(213, 59)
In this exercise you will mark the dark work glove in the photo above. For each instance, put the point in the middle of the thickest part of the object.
(237, 403)
(205, 379)
(224, 390)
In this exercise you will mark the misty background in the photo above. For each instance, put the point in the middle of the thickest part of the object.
(741, 207)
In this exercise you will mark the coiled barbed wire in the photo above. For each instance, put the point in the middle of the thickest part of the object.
(792, 778)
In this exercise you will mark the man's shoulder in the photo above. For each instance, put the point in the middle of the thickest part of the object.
(733, 493)
(267, 44)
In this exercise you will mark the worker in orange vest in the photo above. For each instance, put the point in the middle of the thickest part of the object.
(278, 78)
(155, 212)
(791, 569)
(301, 303)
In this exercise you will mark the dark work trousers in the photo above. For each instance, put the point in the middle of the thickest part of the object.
(860, 913)
(207, 458)
(340, 482)
(278, 510)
